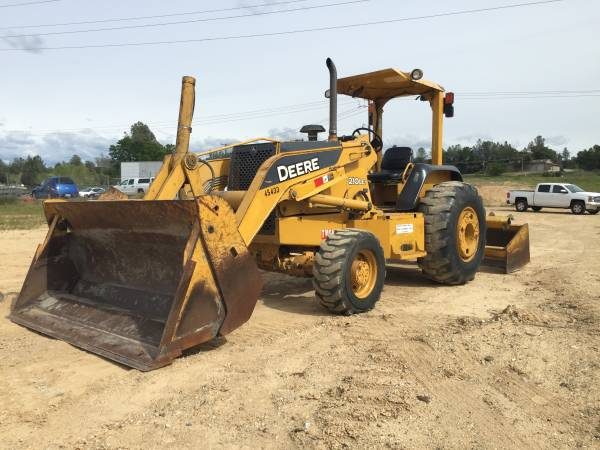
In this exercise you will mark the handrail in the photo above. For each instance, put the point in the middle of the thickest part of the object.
(235, 144)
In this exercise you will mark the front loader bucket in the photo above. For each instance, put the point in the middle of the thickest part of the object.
(139, 281)
(507, 244)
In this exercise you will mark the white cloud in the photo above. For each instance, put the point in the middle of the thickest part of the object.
(53, 147)
(285, 134)
(31, 44)
(407, 140)
(557, 141)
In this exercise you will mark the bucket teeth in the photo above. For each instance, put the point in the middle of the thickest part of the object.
(139, 281)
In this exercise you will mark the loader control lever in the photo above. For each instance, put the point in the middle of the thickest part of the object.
(376, 141)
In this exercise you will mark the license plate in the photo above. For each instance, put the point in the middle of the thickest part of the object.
(67, 195)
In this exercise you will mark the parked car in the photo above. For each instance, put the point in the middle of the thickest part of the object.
(92, 192)
(56, 187)
(555, 195)
(131, 186)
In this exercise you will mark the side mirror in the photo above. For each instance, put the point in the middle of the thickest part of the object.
(448, 110)
(449, 104)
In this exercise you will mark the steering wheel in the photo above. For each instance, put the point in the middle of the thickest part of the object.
(376, 141)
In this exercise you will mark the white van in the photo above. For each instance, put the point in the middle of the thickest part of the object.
(132, 186)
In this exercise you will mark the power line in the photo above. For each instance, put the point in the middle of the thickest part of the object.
(181, 22)
(214, 119)
(9, 5)
(501, 93)
(312, 106)
(292, 32)
(157, 16)
(529, 97)
(255, 116)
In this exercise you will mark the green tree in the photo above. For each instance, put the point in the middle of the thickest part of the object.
(107, 168)
(33, 171)
(139, 144)
(538, 150)
(91, 166)
(462, 157)
(589, 159)
(421, 155)
(14, 171)
(75, 160)
(140, 132)
(495, 169)
(79, 173)
(3, 172)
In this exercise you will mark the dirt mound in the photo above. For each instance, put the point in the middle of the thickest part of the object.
(495, 195)
(113, 194)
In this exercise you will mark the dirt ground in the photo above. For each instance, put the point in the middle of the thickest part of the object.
(507, 361)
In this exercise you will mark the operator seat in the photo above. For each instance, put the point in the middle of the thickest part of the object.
(395, 159)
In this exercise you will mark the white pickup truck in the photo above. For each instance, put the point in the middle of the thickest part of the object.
(555, 195)
(132, 186)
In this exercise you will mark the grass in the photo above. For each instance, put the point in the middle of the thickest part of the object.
(590, 181)
(21, 215)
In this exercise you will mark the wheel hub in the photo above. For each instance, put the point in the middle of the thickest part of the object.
(467, 234)
(363, 274)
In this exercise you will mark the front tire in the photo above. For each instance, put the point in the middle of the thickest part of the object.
(349, 272)
(536, 208)
(593, 212)
(454, 232)
(578, 208)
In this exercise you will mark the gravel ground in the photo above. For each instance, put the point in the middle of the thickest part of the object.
(507, 361)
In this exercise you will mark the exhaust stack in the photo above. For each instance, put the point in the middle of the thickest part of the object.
(332, 100)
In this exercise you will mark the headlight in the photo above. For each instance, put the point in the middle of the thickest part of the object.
(416, 74)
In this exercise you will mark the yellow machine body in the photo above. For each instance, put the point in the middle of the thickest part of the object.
(139, 281)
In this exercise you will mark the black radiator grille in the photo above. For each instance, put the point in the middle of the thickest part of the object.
(245, 161)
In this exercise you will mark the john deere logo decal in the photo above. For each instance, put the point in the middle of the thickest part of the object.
(290, 166)
(298, 169)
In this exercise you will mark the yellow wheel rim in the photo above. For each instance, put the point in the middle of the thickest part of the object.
(364, 274)
(467, 234)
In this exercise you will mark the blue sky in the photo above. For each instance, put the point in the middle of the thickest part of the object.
(59, 102)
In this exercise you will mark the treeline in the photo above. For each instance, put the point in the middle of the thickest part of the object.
(139, 144)
(32, 170)
(494, 158)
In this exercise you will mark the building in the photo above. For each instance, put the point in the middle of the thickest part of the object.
(140, 169)
(541, 166)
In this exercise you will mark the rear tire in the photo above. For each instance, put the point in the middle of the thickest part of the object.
(578, 207)
(536, 208)
(454, 232)
(521, 205)
(349, 272)
(593, 212)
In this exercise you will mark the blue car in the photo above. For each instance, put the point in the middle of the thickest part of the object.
(56, 187)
